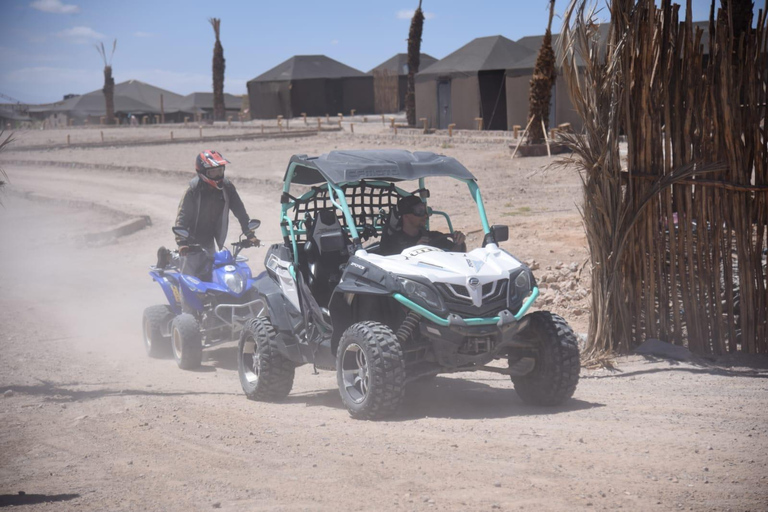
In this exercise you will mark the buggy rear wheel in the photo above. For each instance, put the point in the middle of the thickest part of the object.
(554, 378)
(154, 318)
(370, 370)
(187, 342)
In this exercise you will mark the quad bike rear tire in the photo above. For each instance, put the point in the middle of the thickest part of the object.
(265, 374)
(155, 344)
(370, 370)
(555, 375)
(187, 342)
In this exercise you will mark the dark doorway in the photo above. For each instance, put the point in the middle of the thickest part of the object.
(443, 104)
(493, 99)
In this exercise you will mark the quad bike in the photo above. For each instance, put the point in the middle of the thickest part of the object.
(381, 322)
(200, 314)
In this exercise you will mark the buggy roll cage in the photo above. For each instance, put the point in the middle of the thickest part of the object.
(335, 194)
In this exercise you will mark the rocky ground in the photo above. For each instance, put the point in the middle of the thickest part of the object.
(90, 423)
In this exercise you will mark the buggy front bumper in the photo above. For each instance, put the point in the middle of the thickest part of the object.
(472, 342)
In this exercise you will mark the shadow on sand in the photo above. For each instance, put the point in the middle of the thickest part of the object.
(58, 393)
(15, 500)
(452, 399)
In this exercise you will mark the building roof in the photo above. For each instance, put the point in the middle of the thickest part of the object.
(481, 54)
(198, 101)
(533, 43)
(302, 67)
(131, 97)
(399, 63)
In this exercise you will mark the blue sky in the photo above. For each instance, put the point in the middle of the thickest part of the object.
(47, 46)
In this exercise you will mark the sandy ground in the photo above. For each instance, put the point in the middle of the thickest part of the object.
(90, 423)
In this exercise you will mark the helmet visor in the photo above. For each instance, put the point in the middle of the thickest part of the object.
(215, 173)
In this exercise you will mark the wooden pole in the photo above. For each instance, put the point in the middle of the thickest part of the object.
(522, 136)
(327, 119)
(352, 127)
(383, 121)
(171, 134)
(450, 129)
(516, 130)
(391, 122)
(102, 136)
(67, 139)
(262, 128)
(201, 131)
(352, 112)
(157, 119)
(304, 115)
(319, 123)
(546, 139)
(479, 123)
(229, 120)
(365, 119)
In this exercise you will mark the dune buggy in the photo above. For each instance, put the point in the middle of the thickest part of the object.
(333, 301)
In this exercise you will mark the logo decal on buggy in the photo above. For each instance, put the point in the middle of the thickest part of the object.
(473, 281)
(373, 173)
(422, 250)
(357, 265)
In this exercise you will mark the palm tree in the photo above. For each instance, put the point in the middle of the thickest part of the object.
(3, 147)
(109, 81)
(544, 76)
(218, 72)
(414, 54)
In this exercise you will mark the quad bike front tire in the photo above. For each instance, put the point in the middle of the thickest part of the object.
(370, 370)
(187, 342)
(265, 374)
(155, 344)
(555, 375)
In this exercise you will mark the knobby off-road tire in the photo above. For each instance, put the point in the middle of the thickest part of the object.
(556, 373)
(265, 374)
(187, 342)
(370, 370)
(155, 344)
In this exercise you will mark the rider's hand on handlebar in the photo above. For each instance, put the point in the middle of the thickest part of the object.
(253, 239)
(459, 237)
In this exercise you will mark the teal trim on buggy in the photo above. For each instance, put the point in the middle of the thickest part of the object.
(405, 301)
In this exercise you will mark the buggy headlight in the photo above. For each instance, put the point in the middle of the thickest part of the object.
(235, 282)
(420, 293)
(523, 283)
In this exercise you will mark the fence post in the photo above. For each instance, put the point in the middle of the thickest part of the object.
(67, 139)
(304, 115)
(450, 129)
(516, 131)
(201, 131)
(352, 127)
(424, 120)
(229, 120)
(319, 123)
(327, 119)
(479, 123)
(391, 122)
(352, 112)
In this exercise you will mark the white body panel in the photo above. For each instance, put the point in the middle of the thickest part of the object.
(469, 269)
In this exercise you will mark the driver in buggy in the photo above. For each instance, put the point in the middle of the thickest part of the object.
(411, 230)
(204, 211)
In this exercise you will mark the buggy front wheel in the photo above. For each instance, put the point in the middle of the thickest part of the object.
(370, 370)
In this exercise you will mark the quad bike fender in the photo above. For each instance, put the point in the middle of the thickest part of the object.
(170, 288)
(190, 287)
(282, 315)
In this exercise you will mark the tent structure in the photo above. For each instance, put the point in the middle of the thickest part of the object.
(132, 97)
(313, 84)
(202, 103)
(468, 84)
(398, 65)
(519, 75)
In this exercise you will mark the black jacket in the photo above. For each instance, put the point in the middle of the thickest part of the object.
(204, 211)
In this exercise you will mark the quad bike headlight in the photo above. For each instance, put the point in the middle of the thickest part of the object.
(235, 282)
(420, 293)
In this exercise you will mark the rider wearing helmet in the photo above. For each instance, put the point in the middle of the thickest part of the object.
(204, 211)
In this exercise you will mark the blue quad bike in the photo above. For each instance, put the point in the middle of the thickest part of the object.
(214, 312)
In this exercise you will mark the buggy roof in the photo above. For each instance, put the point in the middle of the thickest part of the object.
(340, 167)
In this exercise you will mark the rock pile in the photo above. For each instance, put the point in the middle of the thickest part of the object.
(561, 288)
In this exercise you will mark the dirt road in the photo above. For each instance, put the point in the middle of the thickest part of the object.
(90, 423)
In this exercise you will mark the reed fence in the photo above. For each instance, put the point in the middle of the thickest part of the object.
(678, 229)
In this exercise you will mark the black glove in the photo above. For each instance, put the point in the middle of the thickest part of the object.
(253, 239)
